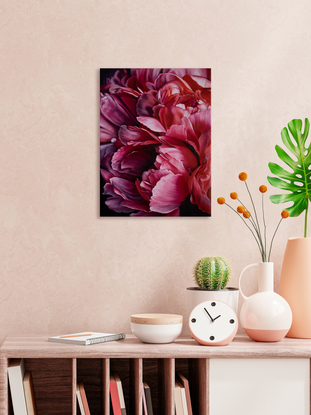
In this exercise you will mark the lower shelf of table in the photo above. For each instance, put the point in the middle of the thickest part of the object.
(55, 381)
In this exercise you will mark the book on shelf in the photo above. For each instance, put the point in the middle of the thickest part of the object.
(29, 394)
(147, 393)
(180, 399)
(120, 392)
(82, 400)
(114, 397)
(79, 399)
(184, 381)
(16, 373)
(116, 394)
(87, 338)
(145, 412)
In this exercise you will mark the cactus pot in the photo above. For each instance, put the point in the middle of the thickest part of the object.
(196, 295)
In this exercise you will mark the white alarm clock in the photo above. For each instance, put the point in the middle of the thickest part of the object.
(213, 323)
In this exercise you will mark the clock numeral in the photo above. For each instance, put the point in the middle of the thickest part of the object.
(193, 320)
(212, 338)
(231, 321)
(213, 304)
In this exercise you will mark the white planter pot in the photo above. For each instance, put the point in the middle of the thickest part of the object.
(229, 296)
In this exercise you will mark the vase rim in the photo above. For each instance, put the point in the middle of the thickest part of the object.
(298, 237)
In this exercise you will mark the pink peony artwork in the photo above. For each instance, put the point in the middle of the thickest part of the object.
(155, 142)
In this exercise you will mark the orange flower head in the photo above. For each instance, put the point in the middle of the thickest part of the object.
(285, 214)
(241, 209)
(243, 176)
(221, 200)
(246, 214)
(234, 195)
(263, 188)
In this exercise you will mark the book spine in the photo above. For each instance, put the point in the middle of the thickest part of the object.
(115, 398)
(16, 376)
(148, 401)
(29, 394)
(105, 339)
(84, 400)
(144, 400)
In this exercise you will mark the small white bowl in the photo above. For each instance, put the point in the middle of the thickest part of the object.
(156, 328)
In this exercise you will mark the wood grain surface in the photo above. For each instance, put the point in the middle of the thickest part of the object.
(241, 347)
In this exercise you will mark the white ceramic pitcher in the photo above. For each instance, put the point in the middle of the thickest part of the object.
(265, 316)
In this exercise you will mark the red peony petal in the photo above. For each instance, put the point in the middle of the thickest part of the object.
(169, 192)
(136, 135)
(170, 116)
(152, 123)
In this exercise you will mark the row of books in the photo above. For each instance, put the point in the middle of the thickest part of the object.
(21, 387)
(23, 399)
(22, 391)
(117, 396)
(182, 395)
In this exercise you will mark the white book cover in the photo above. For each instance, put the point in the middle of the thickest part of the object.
(179, 410)
(184, 400)
(120, 392)
(87, 338)
(16, 372)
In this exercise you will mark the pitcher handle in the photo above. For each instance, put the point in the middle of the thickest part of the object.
(248, 266)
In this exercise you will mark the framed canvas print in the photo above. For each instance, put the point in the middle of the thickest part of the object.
(155, 142)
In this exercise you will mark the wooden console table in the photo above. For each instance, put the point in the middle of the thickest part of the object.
(56, 368)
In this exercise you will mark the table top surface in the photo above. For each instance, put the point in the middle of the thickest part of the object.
(36, 346)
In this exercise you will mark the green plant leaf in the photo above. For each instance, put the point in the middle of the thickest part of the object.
(297, 181)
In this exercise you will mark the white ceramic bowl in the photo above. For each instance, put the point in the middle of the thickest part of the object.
(156, 328)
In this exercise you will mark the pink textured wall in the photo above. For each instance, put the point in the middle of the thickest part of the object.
(65, 269)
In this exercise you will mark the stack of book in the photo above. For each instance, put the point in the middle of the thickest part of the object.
(21, 387)
(182, 395)
(116, 394)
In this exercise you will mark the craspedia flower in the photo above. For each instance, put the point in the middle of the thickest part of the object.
(285, 214)
(240, 209)
(221, 200)
(263, 188)
(243, 176)
(234, 195)
(246, 214)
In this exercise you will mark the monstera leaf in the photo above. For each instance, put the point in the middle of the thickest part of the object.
(297, 182)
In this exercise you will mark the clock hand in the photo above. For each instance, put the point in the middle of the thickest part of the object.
(217, 317)
(209, 315)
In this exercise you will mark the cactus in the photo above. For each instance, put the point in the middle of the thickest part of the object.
(212, 273)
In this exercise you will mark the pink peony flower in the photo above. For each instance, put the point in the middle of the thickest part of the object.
(155, 134)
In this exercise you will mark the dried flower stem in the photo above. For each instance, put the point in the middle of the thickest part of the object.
(250, 195)
(257, 230)
(262, 245)
(265, 227)
(273, 238)
(241, 217)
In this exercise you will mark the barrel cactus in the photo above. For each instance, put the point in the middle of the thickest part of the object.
(212, 273)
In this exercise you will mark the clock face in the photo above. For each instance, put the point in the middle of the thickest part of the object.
(213, 323)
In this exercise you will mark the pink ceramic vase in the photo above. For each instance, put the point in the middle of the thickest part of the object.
(295, 285)
(265, 316)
